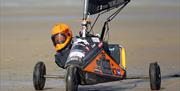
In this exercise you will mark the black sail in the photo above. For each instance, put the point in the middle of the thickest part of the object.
(96, 6)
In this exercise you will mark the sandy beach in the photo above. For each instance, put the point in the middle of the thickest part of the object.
(149, 33)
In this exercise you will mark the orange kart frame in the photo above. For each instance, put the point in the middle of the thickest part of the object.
(101, 67)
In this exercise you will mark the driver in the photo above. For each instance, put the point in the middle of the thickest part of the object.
(61, 36)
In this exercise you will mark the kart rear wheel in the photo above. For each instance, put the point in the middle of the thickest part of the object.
(155, 76)
(71, 79)
(38, 76)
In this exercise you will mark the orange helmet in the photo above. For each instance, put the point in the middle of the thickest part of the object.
(61, 36)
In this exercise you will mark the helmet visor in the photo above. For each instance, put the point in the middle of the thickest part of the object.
(58, 39)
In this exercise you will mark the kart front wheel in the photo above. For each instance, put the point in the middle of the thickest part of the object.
(71, 79)
(155, 76)
(38, 76)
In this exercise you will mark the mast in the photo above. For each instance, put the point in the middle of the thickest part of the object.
(85, 9)
(85, 16)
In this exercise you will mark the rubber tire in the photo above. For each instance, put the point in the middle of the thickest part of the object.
(71, 79)
(155, 76)
(38, 76)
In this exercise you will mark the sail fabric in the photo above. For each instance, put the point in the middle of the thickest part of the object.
(96, 6)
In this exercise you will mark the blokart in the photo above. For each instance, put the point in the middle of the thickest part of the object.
(91, 59)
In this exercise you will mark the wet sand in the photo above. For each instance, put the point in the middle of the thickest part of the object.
(148, 33)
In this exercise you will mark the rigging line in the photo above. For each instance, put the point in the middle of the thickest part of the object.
(94, 23)
(111, 17)
(116, 13)
(97, 19)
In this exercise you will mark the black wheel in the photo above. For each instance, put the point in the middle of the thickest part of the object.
(38, 76)
(71, 79)
(155, 76)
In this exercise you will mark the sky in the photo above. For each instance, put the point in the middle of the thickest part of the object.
(34, 3)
